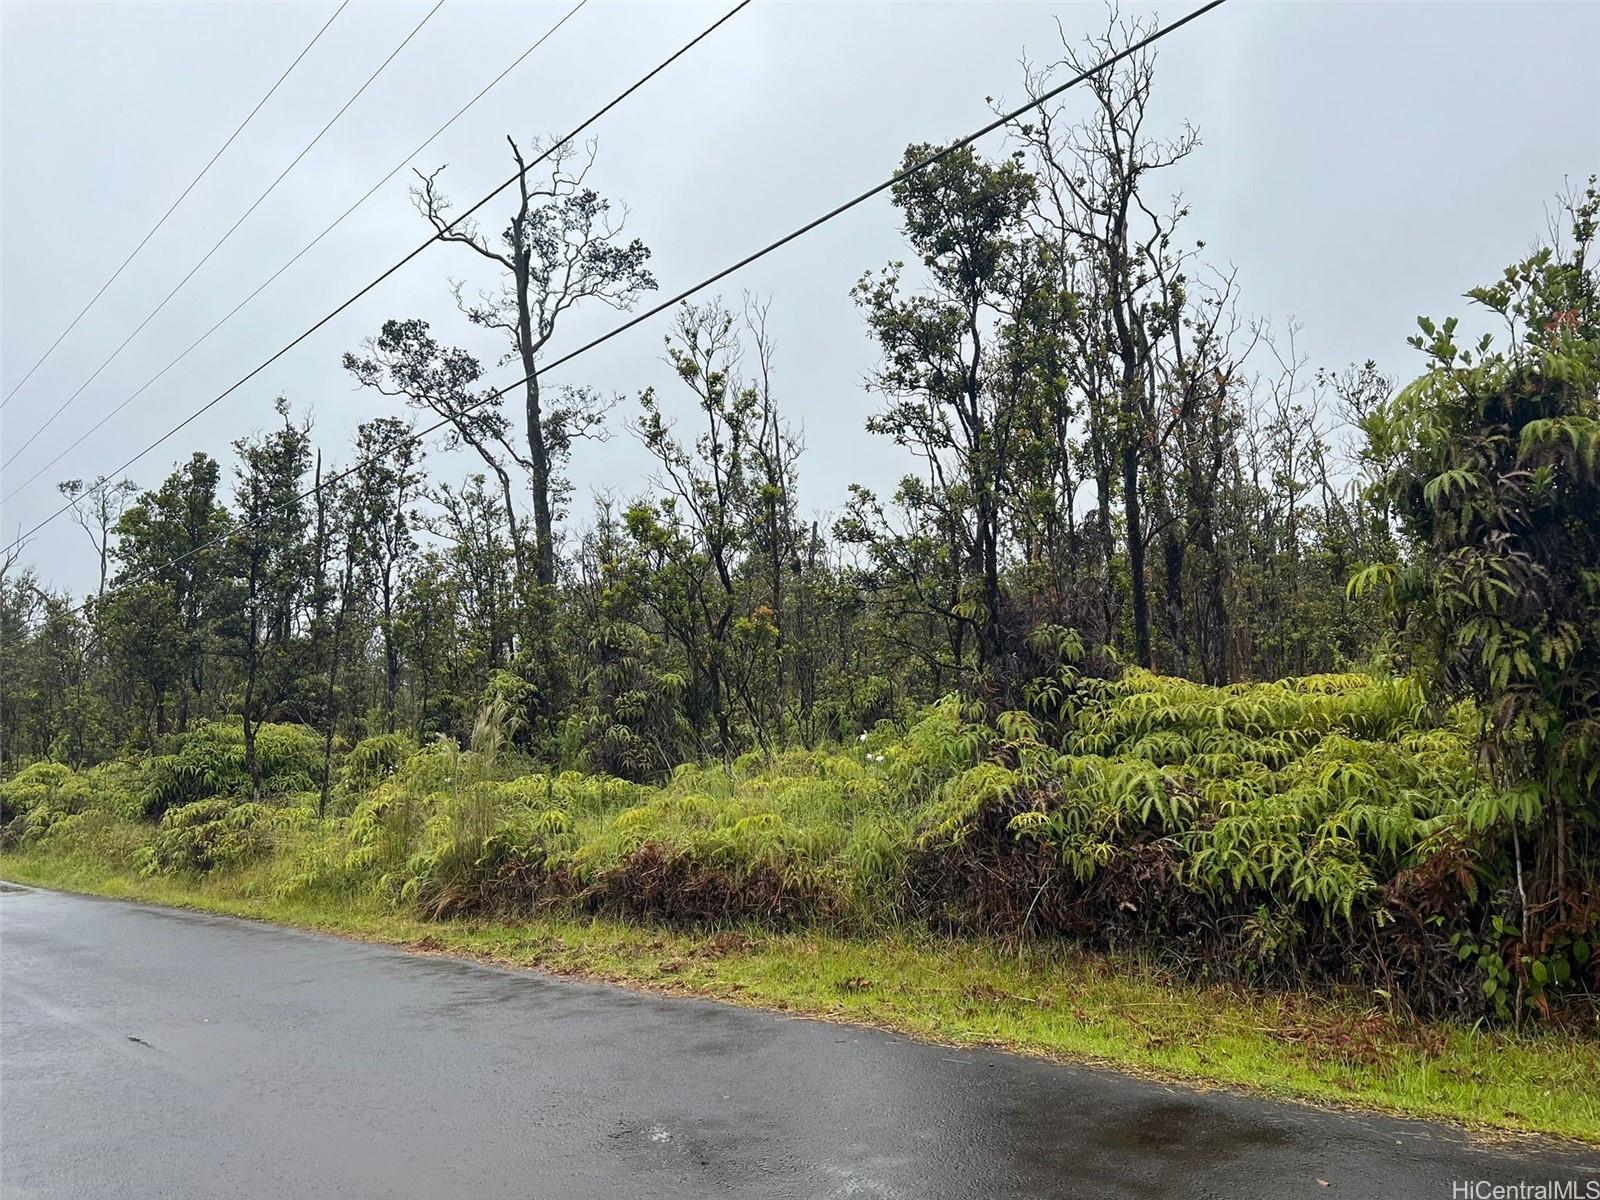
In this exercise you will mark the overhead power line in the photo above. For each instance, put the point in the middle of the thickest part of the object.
(467, 215)
(218, 244)
(877, 189)
(132, 254)
(299, 254)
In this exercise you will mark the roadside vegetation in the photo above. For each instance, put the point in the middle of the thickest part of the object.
(1148, 719)
(1121, 897)
(1328, 832)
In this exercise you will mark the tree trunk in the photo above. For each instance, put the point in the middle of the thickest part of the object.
(1135, 523)
(252, 660)
(538, 451)
(328, 700)
(391, 664)
(251, 763)
(1108, 547)
(776, 565)
(1174, 553)
(989, 548)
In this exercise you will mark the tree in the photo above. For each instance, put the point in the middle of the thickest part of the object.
(388, 479)
(96, 508)
(628, 719)
(406, 361)
(347, 541)
(482, 552)
(19, 600)
(561, 248)
(692, 542)
(170, 589)
(776, 531)
(47, 702)
(955, 400)
(426, 630)
(1121, 281)
(1491, 464)
(272, 559)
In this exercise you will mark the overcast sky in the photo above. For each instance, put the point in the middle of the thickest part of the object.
(1361, 164)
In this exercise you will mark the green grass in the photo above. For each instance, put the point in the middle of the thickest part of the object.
(1043, 999)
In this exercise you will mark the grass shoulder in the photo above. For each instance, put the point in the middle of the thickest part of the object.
(1044, 999)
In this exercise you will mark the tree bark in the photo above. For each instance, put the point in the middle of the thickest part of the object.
(1135, 522)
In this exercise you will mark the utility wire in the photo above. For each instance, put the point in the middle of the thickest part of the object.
(921, 165)
(271, 187)
(203, 170)
(337, 221)
(439, 236)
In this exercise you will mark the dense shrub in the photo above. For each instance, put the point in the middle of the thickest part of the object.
(1490, 463)
(1321, 827)
(217, 834)
(374, 759)
(42, 788)
(46, 800)
(482, 850)
(210, 761)
(39, 796)
(695, 857)
(807, 836)
(1329, 829)
(447, 832)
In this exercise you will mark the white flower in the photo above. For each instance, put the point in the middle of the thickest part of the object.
(862, 738)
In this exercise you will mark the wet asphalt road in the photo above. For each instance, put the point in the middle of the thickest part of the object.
(146, 1052)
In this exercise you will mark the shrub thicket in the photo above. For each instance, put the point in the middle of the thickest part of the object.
(1293, 829)
(210, 761)
(1328, 829)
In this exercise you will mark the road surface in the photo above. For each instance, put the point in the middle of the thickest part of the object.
(146, 1052)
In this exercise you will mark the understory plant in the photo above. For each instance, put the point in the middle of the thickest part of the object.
(1490, 464)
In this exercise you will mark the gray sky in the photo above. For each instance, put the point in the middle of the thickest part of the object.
(1361, 164)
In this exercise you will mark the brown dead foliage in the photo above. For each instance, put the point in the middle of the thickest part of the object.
(994, 884)
(666, 884)
(1409, 954)
(516, 888)
(728, 941)
(1366, 1038)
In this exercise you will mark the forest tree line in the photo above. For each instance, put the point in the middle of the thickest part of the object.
(1101, 442)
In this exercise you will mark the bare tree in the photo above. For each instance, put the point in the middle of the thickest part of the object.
(562, 246)
(407, 362)
(1113, 247)
(96, 507)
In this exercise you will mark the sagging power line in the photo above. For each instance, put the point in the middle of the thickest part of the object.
(211, 162)
(218, 244)
(298, 255)
(838, 210)
(436, 237)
